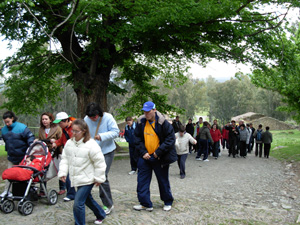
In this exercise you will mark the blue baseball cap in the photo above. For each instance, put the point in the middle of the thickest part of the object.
(148, 106)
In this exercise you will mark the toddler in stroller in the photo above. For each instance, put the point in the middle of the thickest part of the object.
(24, 177)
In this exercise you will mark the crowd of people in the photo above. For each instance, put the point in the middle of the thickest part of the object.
(238, 139)
(85, 148)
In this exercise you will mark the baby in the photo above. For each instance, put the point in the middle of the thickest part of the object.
(31, 160)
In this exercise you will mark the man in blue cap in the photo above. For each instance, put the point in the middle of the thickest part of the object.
(155, 141)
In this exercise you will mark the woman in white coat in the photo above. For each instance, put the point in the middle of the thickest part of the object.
(82, 158)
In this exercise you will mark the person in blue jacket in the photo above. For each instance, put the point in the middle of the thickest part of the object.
(155, 141)
(129, 136)
(17, 138)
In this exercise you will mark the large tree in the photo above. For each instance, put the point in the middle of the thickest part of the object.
(83, 40)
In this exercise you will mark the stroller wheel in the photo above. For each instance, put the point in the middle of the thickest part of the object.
(20, 203)
(52, 197)
(27, 208)
(7, 206)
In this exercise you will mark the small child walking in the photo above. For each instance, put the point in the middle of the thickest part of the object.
(182, 148)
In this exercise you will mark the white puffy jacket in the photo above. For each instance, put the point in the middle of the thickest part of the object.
(83, 161)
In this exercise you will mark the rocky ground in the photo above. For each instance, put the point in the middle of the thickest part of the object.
(224, 191)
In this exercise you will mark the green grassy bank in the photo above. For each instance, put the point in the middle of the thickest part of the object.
(290, 139)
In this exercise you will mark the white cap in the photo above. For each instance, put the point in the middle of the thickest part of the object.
(60, 116)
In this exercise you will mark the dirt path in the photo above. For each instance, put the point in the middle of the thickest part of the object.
(224, 191)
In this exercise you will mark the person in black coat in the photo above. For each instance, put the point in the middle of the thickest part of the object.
(189, 128)
(129, 136)
(233, 137)
(176, 124)
(155, 142)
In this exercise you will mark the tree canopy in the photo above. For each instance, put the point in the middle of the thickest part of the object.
(81, 42)
(284, 77)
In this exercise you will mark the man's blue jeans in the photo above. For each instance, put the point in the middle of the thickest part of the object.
(84, 197)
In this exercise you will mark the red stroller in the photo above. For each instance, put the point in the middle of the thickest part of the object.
(24, 178)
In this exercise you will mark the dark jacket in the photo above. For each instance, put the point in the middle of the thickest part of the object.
(190, 129)
(166, 151)
(266, 137)
(129, 134)
(233, 132)
(17, 138)
(176, 125)
(204, 134)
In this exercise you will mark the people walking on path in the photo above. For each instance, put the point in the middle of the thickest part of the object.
(155, 141)
(176, 124)
(47, 131)
(244, 136)
(267, 139)
(202, 139)
(190, 129)
(258, 141)
(225, 138)
(17, 138)
(183, 139)
(104, 129)
(83, 160)
(233, 135)
(129, 136)
(65, 122)
(216, 136)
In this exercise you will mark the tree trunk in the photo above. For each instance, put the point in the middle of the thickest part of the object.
(91, 89)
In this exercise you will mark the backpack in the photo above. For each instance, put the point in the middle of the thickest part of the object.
(258, 135)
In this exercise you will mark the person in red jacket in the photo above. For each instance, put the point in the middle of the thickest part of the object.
(216, 136)
(225, 138)
(65, 123)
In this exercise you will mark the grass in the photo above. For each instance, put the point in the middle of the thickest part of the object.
(289, 139)
(2, 151)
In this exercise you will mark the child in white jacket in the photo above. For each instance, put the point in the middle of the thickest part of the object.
(182, 148)
(83, 160)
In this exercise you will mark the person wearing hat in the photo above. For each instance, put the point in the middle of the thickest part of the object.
(65, 123)
(155, 141)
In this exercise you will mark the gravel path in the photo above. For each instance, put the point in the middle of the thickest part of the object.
(224, 191)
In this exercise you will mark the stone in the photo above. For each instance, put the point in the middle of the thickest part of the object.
(286, 206)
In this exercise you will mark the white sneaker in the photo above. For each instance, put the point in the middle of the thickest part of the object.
(108, 210)
(4, 193)
(167, 207)
(132, 172)
(198, 159)
(206, 160)
(98, 221)
(140, 207)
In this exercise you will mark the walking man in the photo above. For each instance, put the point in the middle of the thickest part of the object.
(155, 141)
(258, 141)
(104, 129)
(267, 140)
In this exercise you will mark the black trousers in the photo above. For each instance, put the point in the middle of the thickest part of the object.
(232, 146)
(267, 148)
(243, 147)
(258, 151)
